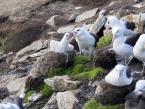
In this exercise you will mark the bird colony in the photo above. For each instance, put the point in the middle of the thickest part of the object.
(126, 43)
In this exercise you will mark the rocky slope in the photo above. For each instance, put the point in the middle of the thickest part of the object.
(26, 28)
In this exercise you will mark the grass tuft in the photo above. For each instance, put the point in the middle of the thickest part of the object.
(90, 75)
(28, 94)
(93, 104)
(105, 41)
(46, 91)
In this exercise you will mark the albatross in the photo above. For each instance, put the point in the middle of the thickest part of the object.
(127, 26)
(119, 76)
(139, 50)
(123, 46)
(62, 46)
(85, 40)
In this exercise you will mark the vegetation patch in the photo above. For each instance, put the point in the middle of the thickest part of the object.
(2, 44)
(46, 91)
(105, 41)
(93, 104)
(28, 94)
(90, 75)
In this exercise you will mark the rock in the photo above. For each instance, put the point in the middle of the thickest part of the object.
(66, 29)
(139, 5)
(56, 20)
(24, 36)
(44, 64)
(52, 103)
(73, 17)
(16, 85)
(108, 94)
(105, 58)
(86, 15)
(3, 18)
(15, 19)
(3, 93)
(66, 100)
(99, 23)
(35, 46)
(61, 83)
(9, 59)
(135, 102)
(34, 97)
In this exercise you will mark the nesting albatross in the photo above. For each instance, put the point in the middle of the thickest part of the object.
(127, 26)
(123, 46)
(119, 76)
(139, 50)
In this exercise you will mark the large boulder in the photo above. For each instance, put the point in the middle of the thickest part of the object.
(109, 94)
(86, 15)
(45, 63)
(135, 101)
(16, 85)
(56, 20)
(67, 100)
(105, 58)
(24, 36)
(52, 103)
(61, 83)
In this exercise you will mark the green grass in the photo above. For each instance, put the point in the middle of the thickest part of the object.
(2, 44)
(46, 91)
(90, 75)
(105, 41)
(93, 104)
(28, 94)
(80, 65)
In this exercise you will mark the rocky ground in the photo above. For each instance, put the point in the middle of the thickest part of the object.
(26, 28)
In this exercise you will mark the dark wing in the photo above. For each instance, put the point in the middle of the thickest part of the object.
(132, 40)
(128, 72)
(130, 25)
(96, 39)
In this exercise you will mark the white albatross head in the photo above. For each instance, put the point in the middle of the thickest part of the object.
(79, 31)
(119, 69)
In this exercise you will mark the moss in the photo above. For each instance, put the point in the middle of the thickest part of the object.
(90, 75)
(2, 44)
(93, 104)
(81, 59)
(105, 41)
(28, 94)
(46, 91)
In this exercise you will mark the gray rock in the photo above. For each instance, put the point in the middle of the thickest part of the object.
(56, 20)
(16, 85)
(3, 93)
(35, 46)
(15, 19)
(108, 94)
(67, 100)
(86, 15)
(66, 29)
(52, 103)
(24, 36)
(3, 18)
(62, 83)
(44, 64)
(73, 17)
(99, 23)
(34, 97)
